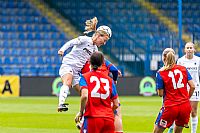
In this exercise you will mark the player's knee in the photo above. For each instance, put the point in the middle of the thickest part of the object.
(67, 82)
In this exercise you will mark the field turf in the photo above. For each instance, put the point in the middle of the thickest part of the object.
(39, 115)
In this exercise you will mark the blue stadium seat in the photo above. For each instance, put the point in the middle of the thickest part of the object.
(23, 52)
(40, 52)
(22, 36)
(57, 68)
(37, 28)
(40, 60)
(1, 52)
(48, 53)
(38, 36)
(20, 28)
(53, 28)
(24, 61)
(47, 36)
(22, 44)
(1, 60)
(29, 28)
(44, 20)
(11, 71)
(32, 61)
(6, 52)
(15, 52)
(30, 36)
(13, 36)
(46, 71)
(56, 60)
(45, 28)
(29, 72)
(32, 52)
(15, 44)
(4, 20)
(16, 60)
(62, 36)
(6, 43)
(6, 35)
(54, 35)
(27, 38)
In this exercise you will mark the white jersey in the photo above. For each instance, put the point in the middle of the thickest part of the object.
(74, 61)
(82, 49)
(193, 67)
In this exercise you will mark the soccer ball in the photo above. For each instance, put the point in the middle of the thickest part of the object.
(105, 29)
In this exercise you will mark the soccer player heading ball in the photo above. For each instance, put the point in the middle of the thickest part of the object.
(73, 62)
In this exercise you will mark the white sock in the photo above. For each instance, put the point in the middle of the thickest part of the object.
(170, 130)
(64, 90)
(194, 123)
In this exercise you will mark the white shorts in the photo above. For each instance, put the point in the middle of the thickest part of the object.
(196, 95)
(65, 69)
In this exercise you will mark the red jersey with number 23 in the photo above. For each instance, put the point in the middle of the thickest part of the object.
(101, 91)
(174, 83)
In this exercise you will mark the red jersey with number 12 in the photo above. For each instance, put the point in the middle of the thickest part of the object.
(101, 91)
(174, 83)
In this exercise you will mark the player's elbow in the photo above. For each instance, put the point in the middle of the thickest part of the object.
(192, 87)
(115, 107)
(115, 104)
(191, 84)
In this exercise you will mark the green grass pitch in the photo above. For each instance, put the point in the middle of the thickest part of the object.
(39, 115)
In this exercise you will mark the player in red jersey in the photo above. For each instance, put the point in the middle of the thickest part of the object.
(107, 68)
(97, 92)
(171, 84)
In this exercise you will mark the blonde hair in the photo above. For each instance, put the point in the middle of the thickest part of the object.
(168, 58)
(90, 25)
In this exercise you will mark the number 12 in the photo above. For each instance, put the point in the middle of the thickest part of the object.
(179, 84)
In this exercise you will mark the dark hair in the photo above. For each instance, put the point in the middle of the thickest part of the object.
(96, 60)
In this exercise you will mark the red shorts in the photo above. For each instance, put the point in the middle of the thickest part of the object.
(97, 125)
(179, 113)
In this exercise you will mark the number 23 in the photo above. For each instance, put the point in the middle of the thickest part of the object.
(95, 92)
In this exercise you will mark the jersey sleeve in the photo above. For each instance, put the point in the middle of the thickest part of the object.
(71, 43)
(159, 81)
(82, 82)
(114, 93)
(189, 76)
(113, 69)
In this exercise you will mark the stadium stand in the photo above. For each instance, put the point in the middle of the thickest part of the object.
(134, 29)
(29, 40)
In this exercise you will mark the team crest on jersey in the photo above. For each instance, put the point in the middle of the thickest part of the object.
(163, 123)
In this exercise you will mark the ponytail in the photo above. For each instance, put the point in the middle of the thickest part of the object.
(168, 57)
(170, 60)
(90, 25)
